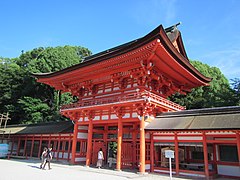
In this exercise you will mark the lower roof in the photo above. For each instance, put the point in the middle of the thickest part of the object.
(41, 128)
(198, 119)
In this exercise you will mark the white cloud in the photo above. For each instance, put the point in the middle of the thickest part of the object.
(227, 60)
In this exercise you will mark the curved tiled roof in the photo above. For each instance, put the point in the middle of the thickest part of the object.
(197, 119)
(41, 128)
(164, 35)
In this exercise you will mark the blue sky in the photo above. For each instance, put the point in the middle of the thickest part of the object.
(210, 28)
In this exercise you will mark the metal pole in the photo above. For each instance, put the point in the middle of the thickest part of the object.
(170, 168)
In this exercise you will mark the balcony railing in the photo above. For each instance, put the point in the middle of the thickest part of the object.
(135, 96)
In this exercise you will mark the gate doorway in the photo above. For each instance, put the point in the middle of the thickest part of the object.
(112, 154)
(97, 144)
(127, 155)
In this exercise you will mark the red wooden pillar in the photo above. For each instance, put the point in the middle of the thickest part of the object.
(89, 143)
(31, 152)
(105, 133)
(187, 152)
(25, 147)
(238, 145)
(134, 142)
(69, 146)
(49, 141)
(176, 153)
(18, 147)
(74, 142)
(215, 158)
(205, 153)
(119, 144)
(40, 147)
(151, 154)
(58, 148)
(13, 141)
(142, 146)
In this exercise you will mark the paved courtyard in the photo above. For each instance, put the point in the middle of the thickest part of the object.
(16, 169)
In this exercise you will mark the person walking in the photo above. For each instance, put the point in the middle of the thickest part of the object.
(48, 158)
(100, 158)
(43, 157)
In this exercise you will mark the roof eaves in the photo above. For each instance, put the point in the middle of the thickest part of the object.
(204, 111)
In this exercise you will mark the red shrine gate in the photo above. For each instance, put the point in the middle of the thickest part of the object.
(120, 90)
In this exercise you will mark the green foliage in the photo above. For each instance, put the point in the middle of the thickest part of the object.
(236, 87)
(217, 94)
(34, 110)
(27, 100)
(53, 59)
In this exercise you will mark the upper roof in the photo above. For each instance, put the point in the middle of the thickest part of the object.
(169, 38)
(40, 128)
(197, 119)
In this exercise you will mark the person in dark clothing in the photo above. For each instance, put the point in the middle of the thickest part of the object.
(48, 158)
(43, 157)
(110, 157)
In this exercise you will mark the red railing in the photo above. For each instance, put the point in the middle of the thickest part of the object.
(123, 98)
(161, 101)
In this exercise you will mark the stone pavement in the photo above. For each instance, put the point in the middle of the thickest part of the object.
(15, 169)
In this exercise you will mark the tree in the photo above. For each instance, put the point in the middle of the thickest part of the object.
(236, 87)
(11, 78)
(27, 100)
(217, 94)
(35, 110)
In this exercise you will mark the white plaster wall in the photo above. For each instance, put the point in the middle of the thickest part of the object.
(105, 117)
(83, 127)
(65, 155)
(147, 166)
(190, 138)
(113, 116)
(134, 114)
(147, 136)
(127, 115)
(191, 174)
(107, 90)
(163, 171)
(60, 155)
(82, 135)
(229, 170)
(80, 159)
(96, 118)
(163, 138)
(135, 84)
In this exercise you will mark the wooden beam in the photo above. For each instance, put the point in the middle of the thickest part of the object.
(89, 143)
(238, 146)
(142, 145)
(119, 144)
(205, 153)
(74, 143)
(151, 154)
(176, 153)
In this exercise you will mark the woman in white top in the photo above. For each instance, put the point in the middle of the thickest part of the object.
(100, 158)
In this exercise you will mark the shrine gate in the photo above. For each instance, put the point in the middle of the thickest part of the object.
(121, 90)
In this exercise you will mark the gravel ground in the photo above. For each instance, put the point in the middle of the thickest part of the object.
(18, 169)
